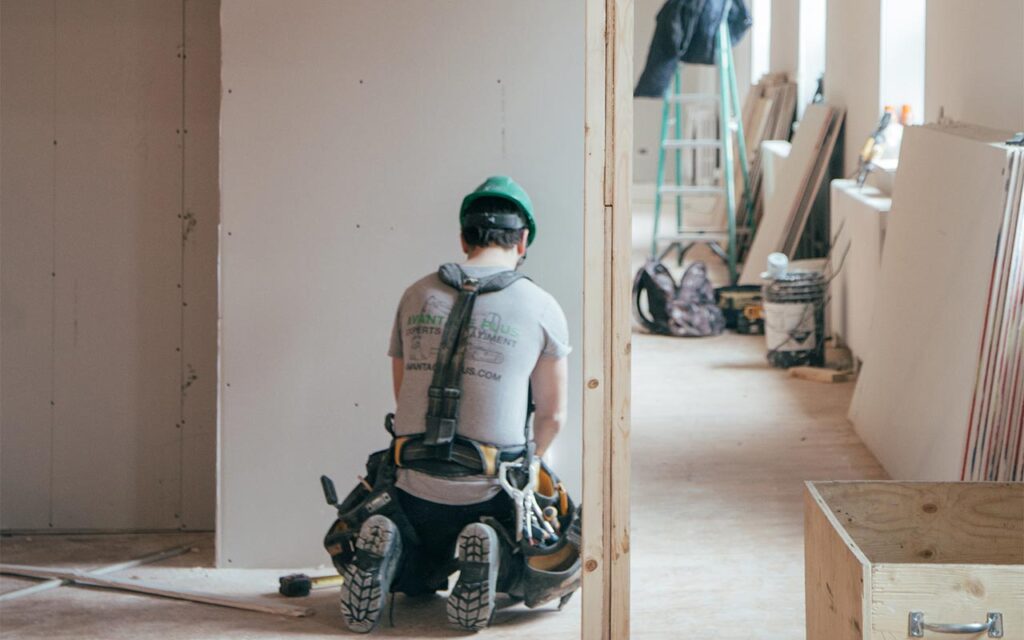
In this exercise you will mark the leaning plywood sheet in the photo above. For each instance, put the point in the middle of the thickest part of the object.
(802, 174)
(913, 398)
(767, 115)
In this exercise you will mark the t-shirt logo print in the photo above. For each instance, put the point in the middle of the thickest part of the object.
(429, 321)
(478, 353)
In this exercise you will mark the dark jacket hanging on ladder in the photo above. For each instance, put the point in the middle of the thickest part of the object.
(686, 31)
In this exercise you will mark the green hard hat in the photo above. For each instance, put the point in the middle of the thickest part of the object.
(507, 189)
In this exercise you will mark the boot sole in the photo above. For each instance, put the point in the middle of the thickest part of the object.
(368, 577)
(471, 602)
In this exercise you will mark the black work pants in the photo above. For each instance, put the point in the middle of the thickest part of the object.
(425, 567)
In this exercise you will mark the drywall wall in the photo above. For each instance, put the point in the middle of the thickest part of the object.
(109, 212)
(974, 62)
(852, 44)
(349, 134)
(785, 38)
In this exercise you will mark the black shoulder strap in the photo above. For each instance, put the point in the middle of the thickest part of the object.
(446, 386)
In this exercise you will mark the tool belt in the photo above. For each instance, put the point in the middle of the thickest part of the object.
(466, 457)
(373, 495)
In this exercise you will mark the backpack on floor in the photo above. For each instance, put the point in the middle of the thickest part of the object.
(686, 309)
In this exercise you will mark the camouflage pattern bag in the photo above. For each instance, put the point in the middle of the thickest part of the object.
(686, 309)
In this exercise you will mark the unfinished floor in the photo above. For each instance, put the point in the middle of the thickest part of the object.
(721, 445)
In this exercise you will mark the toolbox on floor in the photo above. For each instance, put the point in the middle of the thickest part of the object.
(888, 560)
(741, 305)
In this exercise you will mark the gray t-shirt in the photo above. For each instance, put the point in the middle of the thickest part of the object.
(510, 330)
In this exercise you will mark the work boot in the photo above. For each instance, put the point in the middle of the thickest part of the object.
(368, 577)
(471, 602)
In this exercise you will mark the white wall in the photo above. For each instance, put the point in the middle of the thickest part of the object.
(350, 132)
(974, 62)
(852, 53)
(760, 38)
(785, 40)
(109, 319)
(797, 44)
(812, 51)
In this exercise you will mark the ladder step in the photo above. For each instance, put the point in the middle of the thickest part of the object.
(692, 190)
(693, 97)
(702, 236)
(690, 142)
(708, 234)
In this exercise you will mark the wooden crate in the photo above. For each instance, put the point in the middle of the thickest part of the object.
(877, 551)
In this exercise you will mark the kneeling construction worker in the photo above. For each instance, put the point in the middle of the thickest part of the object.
(475, 348)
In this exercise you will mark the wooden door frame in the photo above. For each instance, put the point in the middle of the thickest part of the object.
(608, 151)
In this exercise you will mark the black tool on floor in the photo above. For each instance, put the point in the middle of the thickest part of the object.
(298, 585)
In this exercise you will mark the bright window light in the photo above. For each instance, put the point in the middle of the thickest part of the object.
(901, 57)
(760, 38)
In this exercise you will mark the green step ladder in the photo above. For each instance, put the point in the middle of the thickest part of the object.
(730, 124)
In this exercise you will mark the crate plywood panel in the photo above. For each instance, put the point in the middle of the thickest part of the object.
(912, 400)
(877, 551)
(946, 593)
(932, 522)
(26, 208)
(118, 195)
(336, 196)
(836, 586)
(199, 262)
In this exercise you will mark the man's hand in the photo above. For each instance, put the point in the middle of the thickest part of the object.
(551, 396)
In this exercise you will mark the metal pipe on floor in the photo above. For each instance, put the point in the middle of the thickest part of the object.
(113, 568)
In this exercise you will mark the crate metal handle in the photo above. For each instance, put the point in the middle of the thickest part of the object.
(994, 626)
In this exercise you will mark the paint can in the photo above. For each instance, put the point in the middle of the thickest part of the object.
(794, 322)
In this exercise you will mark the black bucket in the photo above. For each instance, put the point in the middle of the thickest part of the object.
(794, 324)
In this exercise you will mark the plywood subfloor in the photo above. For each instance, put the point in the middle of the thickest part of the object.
(721, 445)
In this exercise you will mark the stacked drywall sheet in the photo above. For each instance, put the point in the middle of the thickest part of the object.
(858, 217)
(944, 355)
(785, 213)
(995, 428)
(767, 115)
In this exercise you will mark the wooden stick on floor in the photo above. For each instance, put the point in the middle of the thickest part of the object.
(53, 584)
(84, 578)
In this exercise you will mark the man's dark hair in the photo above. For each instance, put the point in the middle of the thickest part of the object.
(484, 237)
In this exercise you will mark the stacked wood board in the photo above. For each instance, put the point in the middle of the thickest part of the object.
(768, 114)
(940, 396)
(786, 211)
(996, 424)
